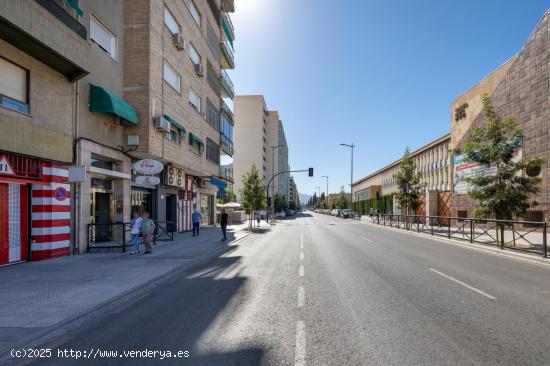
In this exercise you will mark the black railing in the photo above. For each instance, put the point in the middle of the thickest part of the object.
(526, 236)
(164, 231)
(117, 234)
(64, 17)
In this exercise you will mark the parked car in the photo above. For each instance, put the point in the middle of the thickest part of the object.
(281, 214)
(335, 212)
(346, 213)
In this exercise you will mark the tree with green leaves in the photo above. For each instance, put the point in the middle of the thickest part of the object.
(408, 181)
(506, 192)
(253, 194)
(229, 195)
(280, 203)
(342, 201)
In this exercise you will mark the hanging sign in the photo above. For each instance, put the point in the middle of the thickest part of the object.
(5, 167)
(148, 166)
(148, 180)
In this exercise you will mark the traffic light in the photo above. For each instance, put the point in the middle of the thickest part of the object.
(310, 172)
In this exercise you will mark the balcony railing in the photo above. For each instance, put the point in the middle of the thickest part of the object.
(228, 58)
(228, 5)
(226, 173)
(228, 28)
(64, 17)
(228, 89)
(228, 112)
(226, 144)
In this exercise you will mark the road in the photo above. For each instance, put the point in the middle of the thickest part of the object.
(318, 290)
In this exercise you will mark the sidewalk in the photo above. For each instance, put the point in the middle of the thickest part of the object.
(40, 295)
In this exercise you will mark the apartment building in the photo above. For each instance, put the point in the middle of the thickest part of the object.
(43, 53)
(433, 162)
(293, 192)
(177, 52)
(261, 141)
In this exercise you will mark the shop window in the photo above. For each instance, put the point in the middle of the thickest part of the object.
(103, 37)
(14, 86)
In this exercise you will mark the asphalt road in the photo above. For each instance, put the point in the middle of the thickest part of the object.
(318, 290)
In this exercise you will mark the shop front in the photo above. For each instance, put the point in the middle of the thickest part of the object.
(35, 209)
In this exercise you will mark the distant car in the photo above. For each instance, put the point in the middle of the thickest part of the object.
(335, 212)
(281, 214)
(346, 213)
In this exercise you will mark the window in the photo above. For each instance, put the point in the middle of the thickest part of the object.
(101, 36)
(174, 134)
(171, 77)
(171, 22)
(14, 81)
(212, 115)
(212, 151)
(195, 100)
(195, 13)
(194, 55)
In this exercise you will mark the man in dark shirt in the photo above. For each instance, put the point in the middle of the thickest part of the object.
(224, 222)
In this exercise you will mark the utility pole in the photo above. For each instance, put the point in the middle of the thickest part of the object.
(326, 197)
(352, 146)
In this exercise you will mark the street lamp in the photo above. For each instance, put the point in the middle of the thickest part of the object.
(352, 146)
(326, 198)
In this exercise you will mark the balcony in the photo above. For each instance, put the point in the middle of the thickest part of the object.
(228, 33)
(48, 32)
(228, 5)
(228, 58)
(226, 144)
(227, 111)
(226, 172)
(228, 89)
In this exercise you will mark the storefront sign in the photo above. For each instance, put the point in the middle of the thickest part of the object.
(469, 169)
(5, 167)
(148, 166)
(147, 180)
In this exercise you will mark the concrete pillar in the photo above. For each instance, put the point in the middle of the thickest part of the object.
(431, 202)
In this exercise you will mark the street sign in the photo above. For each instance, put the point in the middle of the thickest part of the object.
(148, 180)
(148, 166)
(5, 167)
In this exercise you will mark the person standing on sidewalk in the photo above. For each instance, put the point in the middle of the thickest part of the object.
(147, 229)
(196, 218)
(135, 227)
(224, 223)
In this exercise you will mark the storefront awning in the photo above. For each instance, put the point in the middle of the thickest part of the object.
(218, 183)
(102, 100)
(176, 124)
(193, 138)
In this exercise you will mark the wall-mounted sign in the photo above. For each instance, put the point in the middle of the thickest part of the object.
(148, 166)
(148, 180)
(5, 167)
(60, 194)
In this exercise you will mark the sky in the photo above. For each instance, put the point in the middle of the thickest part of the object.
(379, 73)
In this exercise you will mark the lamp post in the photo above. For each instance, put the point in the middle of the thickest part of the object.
(352, 146)
(326, 197)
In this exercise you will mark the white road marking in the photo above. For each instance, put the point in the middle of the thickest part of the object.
(301, 270)
(367, 239)
(464, 284)
(301, 256)
(300, 354)
(301, 296)
(301, 240)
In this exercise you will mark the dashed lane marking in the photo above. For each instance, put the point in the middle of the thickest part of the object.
(301, 296)
(301, 271)
(300, 353)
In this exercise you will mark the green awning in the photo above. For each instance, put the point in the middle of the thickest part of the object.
(176, 124)
(193, 138)
(74, 4)
(227, 32)
(102, 100)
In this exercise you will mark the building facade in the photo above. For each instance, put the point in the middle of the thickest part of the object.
(261, 141)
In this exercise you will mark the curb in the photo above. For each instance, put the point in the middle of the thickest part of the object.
(506, 253)
(130, 294)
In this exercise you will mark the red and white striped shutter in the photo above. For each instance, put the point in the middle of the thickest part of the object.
(13, 223)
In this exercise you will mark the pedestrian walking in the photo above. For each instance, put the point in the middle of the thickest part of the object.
(258, 218)
(147, 229)
(224, 223)
(135, 227)
(196, 218)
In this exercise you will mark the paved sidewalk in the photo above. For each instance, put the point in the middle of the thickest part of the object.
(37, 296)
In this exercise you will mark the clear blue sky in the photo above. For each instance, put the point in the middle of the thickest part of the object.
(379, 73)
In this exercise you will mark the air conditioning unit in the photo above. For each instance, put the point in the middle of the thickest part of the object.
(199, 69)
(178, 41)
(162, 123)
(201, 183)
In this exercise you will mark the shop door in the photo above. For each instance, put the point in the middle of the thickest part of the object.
(13, 223)
(102, 216)
(171, 213)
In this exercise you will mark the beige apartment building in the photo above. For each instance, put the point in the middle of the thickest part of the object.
(176, 52)
(260, 141)
(433, 161)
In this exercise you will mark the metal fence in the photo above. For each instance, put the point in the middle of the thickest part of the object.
(117, 234)
(526, 236)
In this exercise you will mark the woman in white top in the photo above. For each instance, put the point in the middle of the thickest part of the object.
(135, 227)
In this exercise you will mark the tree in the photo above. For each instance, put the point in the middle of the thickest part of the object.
(505, 193)
(280, 203)
(252, 193)
(408, 181)
(342, 200)
(229, 195)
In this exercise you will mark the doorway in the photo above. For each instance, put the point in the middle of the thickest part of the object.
(171, 212)
(102, 216)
